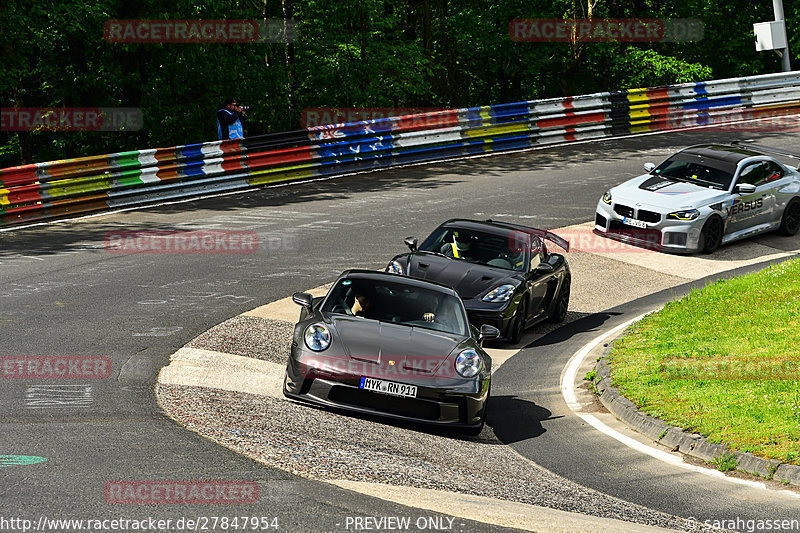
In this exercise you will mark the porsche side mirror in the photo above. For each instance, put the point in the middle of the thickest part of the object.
(304, 300)
(411, 242)
(649, 167)
(488, 332)
(544, 268)
(744, 188)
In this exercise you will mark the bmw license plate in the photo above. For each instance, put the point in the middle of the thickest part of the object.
(633, 222)
(388, 387)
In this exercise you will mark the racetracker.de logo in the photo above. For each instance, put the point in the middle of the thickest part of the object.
(605, 30)
(55, 367)
(323, 116)
(181, 492)
(198, 31)
(587, 240)
(181, 242)
(70, 119)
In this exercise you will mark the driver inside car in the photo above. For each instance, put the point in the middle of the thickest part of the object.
(460, 246)
(361, 305)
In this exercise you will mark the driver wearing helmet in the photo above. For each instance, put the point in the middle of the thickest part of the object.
(460, 246)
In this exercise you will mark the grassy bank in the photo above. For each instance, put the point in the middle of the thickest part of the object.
(723, 362)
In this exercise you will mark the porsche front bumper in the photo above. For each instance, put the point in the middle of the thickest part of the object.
(438, 402)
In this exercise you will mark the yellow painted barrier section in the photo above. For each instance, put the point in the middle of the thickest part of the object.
(279, 175)
(73, 187)
(497, 130)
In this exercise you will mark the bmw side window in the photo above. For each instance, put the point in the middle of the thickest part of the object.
(752, 174)
(773, 172)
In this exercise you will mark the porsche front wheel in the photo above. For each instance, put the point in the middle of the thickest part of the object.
(562, 303)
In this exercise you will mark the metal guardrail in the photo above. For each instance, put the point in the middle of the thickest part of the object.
(67, 187)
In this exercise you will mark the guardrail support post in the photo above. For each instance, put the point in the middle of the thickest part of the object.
(777, 6)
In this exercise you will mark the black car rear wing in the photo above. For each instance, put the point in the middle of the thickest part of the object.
(541, 233)
(765, 149)
(552, 237)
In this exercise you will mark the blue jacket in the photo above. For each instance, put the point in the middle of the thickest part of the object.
(229, 125)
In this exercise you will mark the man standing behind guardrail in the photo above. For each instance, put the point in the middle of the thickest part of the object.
(229, 120)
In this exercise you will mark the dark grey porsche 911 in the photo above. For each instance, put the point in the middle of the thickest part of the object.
(393, 346)
(503, 272)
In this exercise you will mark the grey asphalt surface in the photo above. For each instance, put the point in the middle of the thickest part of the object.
(64, 294)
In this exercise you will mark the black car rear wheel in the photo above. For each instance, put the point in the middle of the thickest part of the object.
(711, 235)
(518, 327)
(562, 303)
(790, 222)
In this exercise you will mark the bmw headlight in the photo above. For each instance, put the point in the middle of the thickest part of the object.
(469, 363)
(687, 214)
(317, 337)
(395, 268)
(500, 294)
(607, 197)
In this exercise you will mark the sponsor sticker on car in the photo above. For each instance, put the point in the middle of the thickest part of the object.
(388, 387)
(633, 222)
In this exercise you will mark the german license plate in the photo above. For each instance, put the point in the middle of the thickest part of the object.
(389, 387)
(633, 222)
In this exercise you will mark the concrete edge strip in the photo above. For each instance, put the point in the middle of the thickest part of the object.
(488, 510)
(217, 370)
(673, 437)
(568, 378)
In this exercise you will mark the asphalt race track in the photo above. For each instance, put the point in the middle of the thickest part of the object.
(63, 293)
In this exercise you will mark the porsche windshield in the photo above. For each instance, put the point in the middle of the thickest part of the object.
(397, 303)
(501, 251)
(704, 173)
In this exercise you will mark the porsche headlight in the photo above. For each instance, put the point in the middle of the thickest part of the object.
(317, 337)
(686, 214)
(607, 197)
(395, 268)
(469, 363)
(500, 294)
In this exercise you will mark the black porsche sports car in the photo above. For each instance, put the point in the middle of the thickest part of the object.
(394, 346)
(503, 272)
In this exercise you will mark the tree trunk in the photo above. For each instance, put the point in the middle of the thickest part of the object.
(288, 46)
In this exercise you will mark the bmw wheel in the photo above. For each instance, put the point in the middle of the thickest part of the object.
(711, 235)
(790, 222)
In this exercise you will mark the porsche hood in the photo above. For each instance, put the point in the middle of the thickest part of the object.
(393, 344)
(468, 279)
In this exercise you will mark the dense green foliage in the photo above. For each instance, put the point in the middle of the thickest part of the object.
(364, 53)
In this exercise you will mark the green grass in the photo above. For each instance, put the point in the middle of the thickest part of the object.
(726, 462)
(723, 362)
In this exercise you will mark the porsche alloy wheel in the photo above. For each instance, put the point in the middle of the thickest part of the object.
(475, 431)
(562, 303)
(519, 324)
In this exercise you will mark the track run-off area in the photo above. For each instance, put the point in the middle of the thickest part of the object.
(66, 293)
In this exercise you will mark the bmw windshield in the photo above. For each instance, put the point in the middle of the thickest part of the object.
(691, 169)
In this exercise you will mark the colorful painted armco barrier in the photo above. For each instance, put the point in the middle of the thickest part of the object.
(68, 187)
